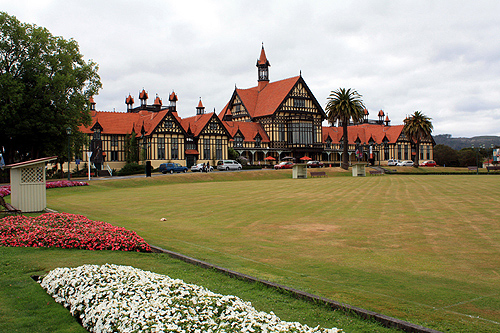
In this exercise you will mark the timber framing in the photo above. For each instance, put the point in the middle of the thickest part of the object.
(273, 119)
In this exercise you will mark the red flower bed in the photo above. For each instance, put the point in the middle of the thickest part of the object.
(68, 231)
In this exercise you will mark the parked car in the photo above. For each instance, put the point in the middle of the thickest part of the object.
(429, 163)
(284, 165)
(199, 168)
(172, 167)
(393, 162)
(228, 165)
(314, 164)
(405, 163)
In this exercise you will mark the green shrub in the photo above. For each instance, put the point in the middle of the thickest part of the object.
(131, 169)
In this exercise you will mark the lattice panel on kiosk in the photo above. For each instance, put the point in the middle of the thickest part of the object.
(32, 175)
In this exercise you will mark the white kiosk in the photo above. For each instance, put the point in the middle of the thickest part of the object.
(359, 169)
(27, 185)
(299, 171)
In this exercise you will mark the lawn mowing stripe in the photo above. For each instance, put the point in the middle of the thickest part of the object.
(366, 314)
(445, 308)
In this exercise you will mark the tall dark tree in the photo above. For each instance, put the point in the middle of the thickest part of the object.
(446, 156)
(45, 86)
(417, 127)
(344, 105)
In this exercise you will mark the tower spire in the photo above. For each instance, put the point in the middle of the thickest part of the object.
(263, 69)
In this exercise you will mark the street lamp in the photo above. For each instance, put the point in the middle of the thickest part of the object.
(68, 132)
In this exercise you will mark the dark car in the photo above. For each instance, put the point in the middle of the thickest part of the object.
(172, 167)
(314, 164)
(284, 165)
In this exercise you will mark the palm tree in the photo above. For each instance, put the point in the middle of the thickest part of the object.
(344, 105)
(416, 128)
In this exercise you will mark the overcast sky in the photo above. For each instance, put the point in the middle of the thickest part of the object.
(438, 57)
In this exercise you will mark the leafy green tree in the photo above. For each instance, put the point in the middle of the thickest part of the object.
(131, 148)
(467, 157)
(417, 128)
(344, 105)
(45, 86)
(232, 154)
(445, 155)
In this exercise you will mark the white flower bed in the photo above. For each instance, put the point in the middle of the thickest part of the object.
(111, 298)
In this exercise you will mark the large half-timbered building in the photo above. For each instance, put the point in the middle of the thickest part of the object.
(273, 119)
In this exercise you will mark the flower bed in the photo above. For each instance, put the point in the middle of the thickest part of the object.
(68, 231)
(111, 298)
(65, 183)
(5, 190)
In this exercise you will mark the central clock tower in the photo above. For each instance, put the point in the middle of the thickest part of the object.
(263, 69)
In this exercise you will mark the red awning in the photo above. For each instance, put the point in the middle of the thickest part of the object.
(269, 158)
(306, 158)
(192, 152)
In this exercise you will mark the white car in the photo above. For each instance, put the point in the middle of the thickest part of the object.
(393, 162)
(405, 163)
(226, 165)
(199, 168)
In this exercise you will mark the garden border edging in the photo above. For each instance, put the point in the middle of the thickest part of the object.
(366, 314)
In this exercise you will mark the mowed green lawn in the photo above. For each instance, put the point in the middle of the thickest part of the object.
(422, 248)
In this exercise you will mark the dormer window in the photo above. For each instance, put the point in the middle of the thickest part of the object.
(258, 140)
(238, 141)
(97, 134)
(328, 143)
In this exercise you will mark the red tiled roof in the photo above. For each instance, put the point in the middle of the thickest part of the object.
(173, 97)
(196, 123)
(364, 132)
(264, 102)
(249, 130)
(125, 122)
(157, 101)
(200, 104)
(381, 113)
(129, 100)
(143, 94)
(263, 59)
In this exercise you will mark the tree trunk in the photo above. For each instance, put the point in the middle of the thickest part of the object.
(417, 153)
(345, 154)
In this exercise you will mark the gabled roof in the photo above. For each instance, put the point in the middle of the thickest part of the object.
(364, 132)
(126, 122)
(264, 102)
(196, 123)
(249, 130)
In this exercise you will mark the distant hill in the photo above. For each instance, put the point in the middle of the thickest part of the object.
(459, 143)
